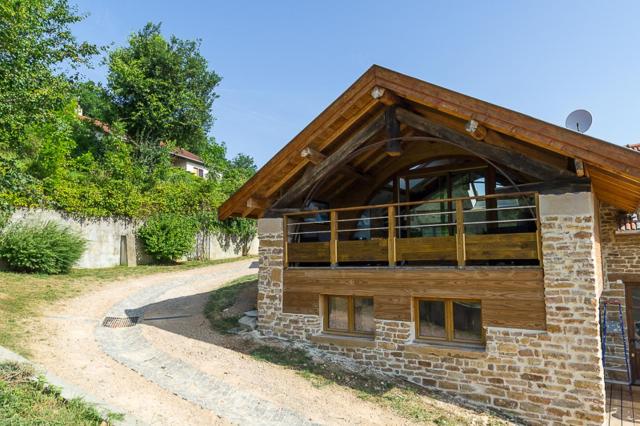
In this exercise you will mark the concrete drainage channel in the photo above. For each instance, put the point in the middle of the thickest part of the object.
(116, 322)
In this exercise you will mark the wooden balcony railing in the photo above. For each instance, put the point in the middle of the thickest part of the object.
(483, 230)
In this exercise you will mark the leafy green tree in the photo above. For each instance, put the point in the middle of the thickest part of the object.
(36, 44)
(95, 101)
(163, 89)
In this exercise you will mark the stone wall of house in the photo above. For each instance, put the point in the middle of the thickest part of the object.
(620, 254)
(543, 377)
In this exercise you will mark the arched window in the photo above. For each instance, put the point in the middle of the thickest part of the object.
(443, 179)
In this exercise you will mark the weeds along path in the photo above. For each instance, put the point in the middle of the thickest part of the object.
(169, 369)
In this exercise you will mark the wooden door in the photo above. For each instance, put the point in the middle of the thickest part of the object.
(632, 292)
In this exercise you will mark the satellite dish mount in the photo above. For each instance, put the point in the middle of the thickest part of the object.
(579, 121)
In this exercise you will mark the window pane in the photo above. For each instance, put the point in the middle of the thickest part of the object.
(338, 313)
(467, 322)
(363, 311)
(432, 318)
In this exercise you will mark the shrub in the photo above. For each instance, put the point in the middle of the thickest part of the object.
(46, 248)
(168, 237)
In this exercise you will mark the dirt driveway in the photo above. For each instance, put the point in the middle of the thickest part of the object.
(168, 369)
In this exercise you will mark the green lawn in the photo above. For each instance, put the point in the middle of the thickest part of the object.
(25, 401)
(23, 295)
(217, 308)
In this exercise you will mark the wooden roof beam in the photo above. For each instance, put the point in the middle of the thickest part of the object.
(316, 158)
(515, 160)
(258, 203)
(385, 96)
(332, 162)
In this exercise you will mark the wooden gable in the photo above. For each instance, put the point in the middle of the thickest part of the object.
(327, 147)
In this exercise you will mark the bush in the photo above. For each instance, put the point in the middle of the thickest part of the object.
(46, 248)
(168, 237)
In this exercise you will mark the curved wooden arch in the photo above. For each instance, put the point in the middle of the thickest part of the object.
(407, 169)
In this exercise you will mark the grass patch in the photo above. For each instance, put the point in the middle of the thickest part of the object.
(406, 401)
(23, 295)
(217, 309)
(25, 401)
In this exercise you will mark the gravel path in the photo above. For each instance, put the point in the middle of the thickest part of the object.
(169, 370)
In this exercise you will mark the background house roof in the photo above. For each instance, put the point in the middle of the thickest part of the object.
(178, 152)
(614, 170)
(183, 153)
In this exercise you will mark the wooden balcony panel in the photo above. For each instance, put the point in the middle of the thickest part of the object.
(316, 252)
(363, 250)
(426, 248)
(502, 246)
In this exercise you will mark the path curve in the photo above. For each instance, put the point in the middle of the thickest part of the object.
(170, 370)
(130, 347)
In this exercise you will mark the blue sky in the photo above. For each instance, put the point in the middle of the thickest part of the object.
(283, 62)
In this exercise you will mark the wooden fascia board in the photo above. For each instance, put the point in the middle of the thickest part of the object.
(545, 135)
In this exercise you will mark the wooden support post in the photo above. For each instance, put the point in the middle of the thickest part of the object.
(394, 147)
(333, 244)
(285, 241)
(538, 230)
(460, 248)
(580, 172)
(391, 239)
(491, 203)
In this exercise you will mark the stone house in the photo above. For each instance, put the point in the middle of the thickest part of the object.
(418, 232)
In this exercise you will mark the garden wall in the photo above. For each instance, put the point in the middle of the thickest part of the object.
(108, 240)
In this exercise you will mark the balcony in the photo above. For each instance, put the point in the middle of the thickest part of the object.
(490, 230)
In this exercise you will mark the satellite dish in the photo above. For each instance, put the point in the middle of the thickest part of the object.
(579, 120)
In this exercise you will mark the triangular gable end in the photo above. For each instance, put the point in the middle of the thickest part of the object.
(614, 170)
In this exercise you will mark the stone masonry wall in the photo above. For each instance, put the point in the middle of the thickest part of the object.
(542, 377)
(621, 254)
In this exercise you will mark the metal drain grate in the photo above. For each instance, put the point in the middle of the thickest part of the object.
(116, 322)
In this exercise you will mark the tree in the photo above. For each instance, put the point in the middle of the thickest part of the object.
(36, 44)
(95, 101)
(163, 89)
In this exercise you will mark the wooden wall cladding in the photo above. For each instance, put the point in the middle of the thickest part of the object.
(511, 297)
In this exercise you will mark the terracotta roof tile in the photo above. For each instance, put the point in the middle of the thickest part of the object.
(100, 124)
(178, 152)
(183, 153)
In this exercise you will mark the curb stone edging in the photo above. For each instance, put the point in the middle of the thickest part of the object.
(69, 391)
(129, 347)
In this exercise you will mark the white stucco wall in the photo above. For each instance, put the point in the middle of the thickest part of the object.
(104, 238)
(103, 235)
(190, 166)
